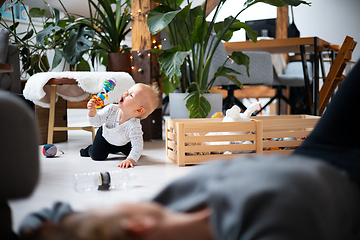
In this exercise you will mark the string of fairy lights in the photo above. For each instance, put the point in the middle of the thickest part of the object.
(154, 43)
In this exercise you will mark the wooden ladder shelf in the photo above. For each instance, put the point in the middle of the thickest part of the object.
(335, 75)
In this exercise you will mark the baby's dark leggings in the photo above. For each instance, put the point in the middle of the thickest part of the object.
(100, 149)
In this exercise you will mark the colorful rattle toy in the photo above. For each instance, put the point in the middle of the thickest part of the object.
(109, 85)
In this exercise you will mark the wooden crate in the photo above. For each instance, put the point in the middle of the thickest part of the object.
(188, 140)
(283, 134)
(193, 141)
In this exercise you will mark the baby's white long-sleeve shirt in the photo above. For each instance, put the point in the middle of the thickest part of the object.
(119, 135)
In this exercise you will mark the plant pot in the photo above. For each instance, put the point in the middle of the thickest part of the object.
(63, 65)
(178, 108)
(119, 62)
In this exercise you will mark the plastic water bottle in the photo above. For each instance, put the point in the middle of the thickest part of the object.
(119, 179)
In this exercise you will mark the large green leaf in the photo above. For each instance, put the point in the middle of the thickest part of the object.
(171, 60)
(201, 27)
(28, 35)
(241, 59)
(198, 105)
(78, 41)
(184, 13)
(83, 65)
(250, 33)
(296, 2)
(58, 56)
(224, 71)
(40, 37)
(57, 16)
(14, 26)
(219, 27)
(162, 15)
(35, 12)
(277, 3)
(169, 86)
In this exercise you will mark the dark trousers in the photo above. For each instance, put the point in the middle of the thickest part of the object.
(100, 149)
(336, 137)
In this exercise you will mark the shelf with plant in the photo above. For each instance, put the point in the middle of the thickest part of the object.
(187, 64)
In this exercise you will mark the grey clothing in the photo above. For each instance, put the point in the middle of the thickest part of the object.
(276, 197)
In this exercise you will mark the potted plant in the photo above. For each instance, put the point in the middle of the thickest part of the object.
(68, 41)
(61, 34)
(30, 58)
(195, 40)
(110, 27)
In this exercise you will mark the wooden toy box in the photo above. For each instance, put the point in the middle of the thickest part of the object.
(193, 141)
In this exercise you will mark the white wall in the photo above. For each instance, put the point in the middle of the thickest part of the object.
(330, 20)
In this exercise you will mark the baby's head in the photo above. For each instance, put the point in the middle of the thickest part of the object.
(141, 99)
(149, 100)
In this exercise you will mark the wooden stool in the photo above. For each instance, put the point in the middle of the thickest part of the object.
(54, 82)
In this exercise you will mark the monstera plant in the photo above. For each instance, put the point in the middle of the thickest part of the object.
(195, 39)
(63, 35)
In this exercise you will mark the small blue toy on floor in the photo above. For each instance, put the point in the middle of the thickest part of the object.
(49, 150)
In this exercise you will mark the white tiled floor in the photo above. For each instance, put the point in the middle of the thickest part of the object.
(153, 171)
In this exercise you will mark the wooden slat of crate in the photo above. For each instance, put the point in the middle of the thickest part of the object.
(220, 138)
(180, 146)
(172, 155)
(205, 127)
(285, 134)
(288, 123)
(279, 152)
(220, 148)
(197, 159)
(290, 143)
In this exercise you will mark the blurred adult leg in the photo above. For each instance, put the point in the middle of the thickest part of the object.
(336, 137)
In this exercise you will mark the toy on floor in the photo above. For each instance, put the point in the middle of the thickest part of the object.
(49, 150)
(109, 85)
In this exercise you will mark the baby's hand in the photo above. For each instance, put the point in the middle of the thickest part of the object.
(128, 162)
(91, 104)
(91, 107)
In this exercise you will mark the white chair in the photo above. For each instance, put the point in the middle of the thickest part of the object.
(292, 77)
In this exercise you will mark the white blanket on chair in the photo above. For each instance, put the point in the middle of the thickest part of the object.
(37, 91)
